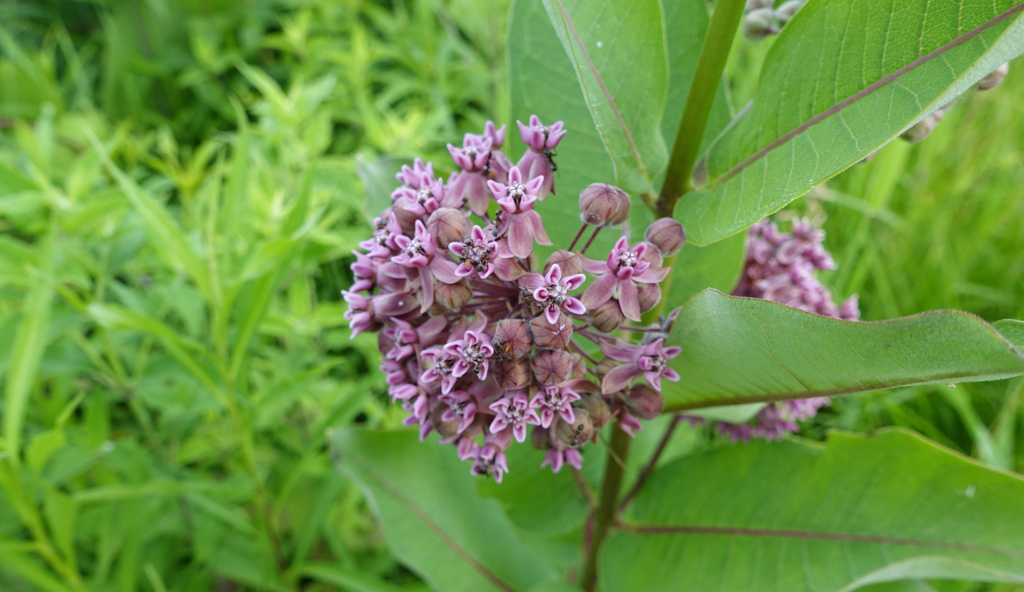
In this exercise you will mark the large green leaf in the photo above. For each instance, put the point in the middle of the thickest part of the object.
(545, 82)
(744, 350)
(852, 75)
(794, 517)
(431, 514)
(617, 51)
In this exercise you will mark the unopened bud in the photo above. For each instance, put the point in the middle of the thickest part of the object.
(788, 9)
(598, 410)
(553, 366)
(551, 336)
(512, 339)
(447, 429)
(605, 366)
(512, 374)
(447, 225)
(644, 402)
(759, 23)
(540, 438)
(578, 432)
(567, 261)
(579, 366)
(666, 234)
(452, 296)
(603, 205)
(994, 78)
(649, 295)
(607, 317)
(406, 218)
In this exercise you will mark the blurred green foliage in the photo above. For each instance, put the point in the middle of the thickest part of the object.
(178, 204)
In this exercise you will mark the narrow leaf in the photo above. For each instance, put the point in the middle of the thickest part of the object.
(744, 350)
(800, 517)
(875, 69)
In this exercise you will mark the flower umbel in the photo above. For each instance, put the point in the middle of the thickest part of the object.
(482, 338)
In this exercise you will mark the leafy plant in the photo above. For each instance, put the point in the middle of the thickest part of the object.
(857, 512)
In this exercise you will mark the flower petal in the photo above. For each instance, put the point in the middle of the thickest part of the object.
(599, 292)
(618, 378)
(629, 301)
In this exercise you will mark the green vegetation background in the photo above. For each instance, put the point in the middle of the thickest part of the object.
(179, 197)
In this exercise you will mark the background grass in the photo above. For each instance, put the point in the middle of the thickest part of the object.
(178, 202)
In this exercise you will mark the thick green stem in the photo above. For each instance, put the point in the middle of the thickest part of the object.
(706, 80)
(604, 516)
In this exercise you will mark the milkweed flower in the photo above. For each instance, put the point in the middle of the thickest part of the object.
(482, 337)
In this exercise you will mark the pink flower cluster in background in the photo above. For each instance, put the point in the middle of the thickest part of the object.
(781, 267)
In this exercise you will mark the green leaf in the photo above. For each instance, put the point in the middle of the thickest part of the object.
(378, 179)
(545, 83)
(877, 68)
(744, 350)
(28, 347)
(715, 266)
(432, 517)
(617, 50)
(165, 234)
(794, 516)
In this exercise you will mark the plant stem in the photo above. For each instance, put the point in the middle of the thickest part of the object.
(649, 467)
(605, 515)
(706, 80)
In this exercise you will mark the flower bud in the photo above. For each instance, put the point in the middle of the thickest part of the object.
(649, 295)
(540, 438)
(602, 205)
(567, 261)
(553, 366)
(598, 410)
(447, 225)
(406, 219)
(607, 317)
(994, 78)
(788, 9)
(578, 432)
(549, 336)
(512, 339)
(447, 429)
(512, 374)
(920, 130)
(759, 24)
(452, 296)
(579, 367)
(605, 366)
(644, 402)
(666, 234)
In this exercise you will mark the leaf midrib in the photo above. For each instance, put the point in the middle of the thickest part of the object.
(761, 153)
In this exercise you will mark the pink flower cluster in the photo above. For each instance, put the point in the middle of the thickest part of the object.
(484, 341)
(781, 267)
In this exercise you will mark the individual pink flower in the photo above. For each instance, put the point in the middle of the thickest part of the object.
(556, 458)
(620, 272)
(472, 352)
(538, 161)
(359, 315)
(521, 225)
(551, 292)
(515, 413)
(489, 460)
(477, 254)
(649, 361)
(421, 201)
(555, 400)
(418, 253)
(461, 407)
(418, 175)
